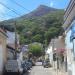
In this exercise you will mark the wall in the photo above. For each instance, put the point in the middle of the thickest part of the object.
(11, 39)
(50, 54)
(3, 52)
(70, 60)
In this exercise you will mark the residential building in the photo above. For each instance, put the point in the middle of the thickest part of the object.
(56, 51)
(49, 52)
(69, 27)
(11, 43)
(24, 48)
(11, 39)
(3, 51)
(11, 52)
(25, 51)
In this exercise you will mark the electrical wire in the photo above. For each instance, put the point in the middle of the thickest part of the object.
(2, 16)
(5, 14)
(20, 5)
(13, 10)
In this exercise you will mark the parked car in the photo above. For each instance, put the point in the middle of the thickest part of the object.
(12, 67)
(27, 65)
(31, 63)
(24, 66)
(46, 64)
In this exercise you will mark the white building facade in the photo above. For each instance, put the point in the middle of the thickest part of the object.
(69, 27)
(49, 52)
(70, 47)
(11, 38)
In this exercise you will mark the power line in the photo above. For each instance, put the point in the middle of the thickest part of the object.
(5, 14)
(2, 16)
(20, 5)
(13, 10)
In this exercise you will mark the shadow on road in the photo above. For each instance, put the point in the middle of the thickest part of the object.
(11, 73)
(27, 73)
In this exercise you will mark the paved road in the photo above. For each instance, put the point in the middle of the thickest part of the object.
(39, 70)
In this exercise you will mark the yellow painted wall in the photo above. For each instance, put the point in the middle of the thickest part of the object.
(3, 50)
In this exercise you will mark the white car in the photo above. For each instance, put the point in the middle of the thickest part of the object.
(13, 66)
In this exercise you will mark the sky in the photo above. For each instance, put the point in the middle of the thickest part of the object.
(30, 5)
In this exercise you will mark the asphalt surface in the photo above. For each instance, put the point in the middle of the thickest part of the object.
(39, 70)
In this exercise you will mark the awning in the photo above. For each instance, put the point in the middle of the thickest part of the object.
(60, 50)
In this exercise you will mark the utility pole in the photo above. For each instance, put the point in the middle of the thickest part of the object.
(15, 40)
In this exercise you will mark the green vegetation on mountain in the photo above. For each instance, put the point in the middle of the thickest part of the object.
(41, 29)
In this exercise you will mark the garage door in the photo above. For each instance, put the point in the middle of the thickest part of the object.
(1, 58)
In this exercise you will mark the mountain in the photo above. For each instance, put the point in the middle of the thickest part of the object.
(40, 25)
(40, 11)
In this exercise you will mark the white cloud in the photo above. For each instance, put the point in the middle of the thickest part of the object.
(51, 4)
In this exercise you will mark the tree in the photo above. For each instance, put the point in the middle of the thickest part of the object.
(37, 38)
(36, 49)
(51, 33)
(24, 40)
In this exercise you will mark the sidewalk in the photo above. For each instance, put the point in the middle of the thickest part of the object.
(61, 73)
(57, 72)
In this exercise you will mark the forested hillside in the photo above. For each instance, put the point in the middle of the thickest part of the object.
(39, 29)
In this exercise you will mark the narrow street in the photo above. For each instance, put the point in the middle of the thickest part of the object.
(37, 37)
(40, 70)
